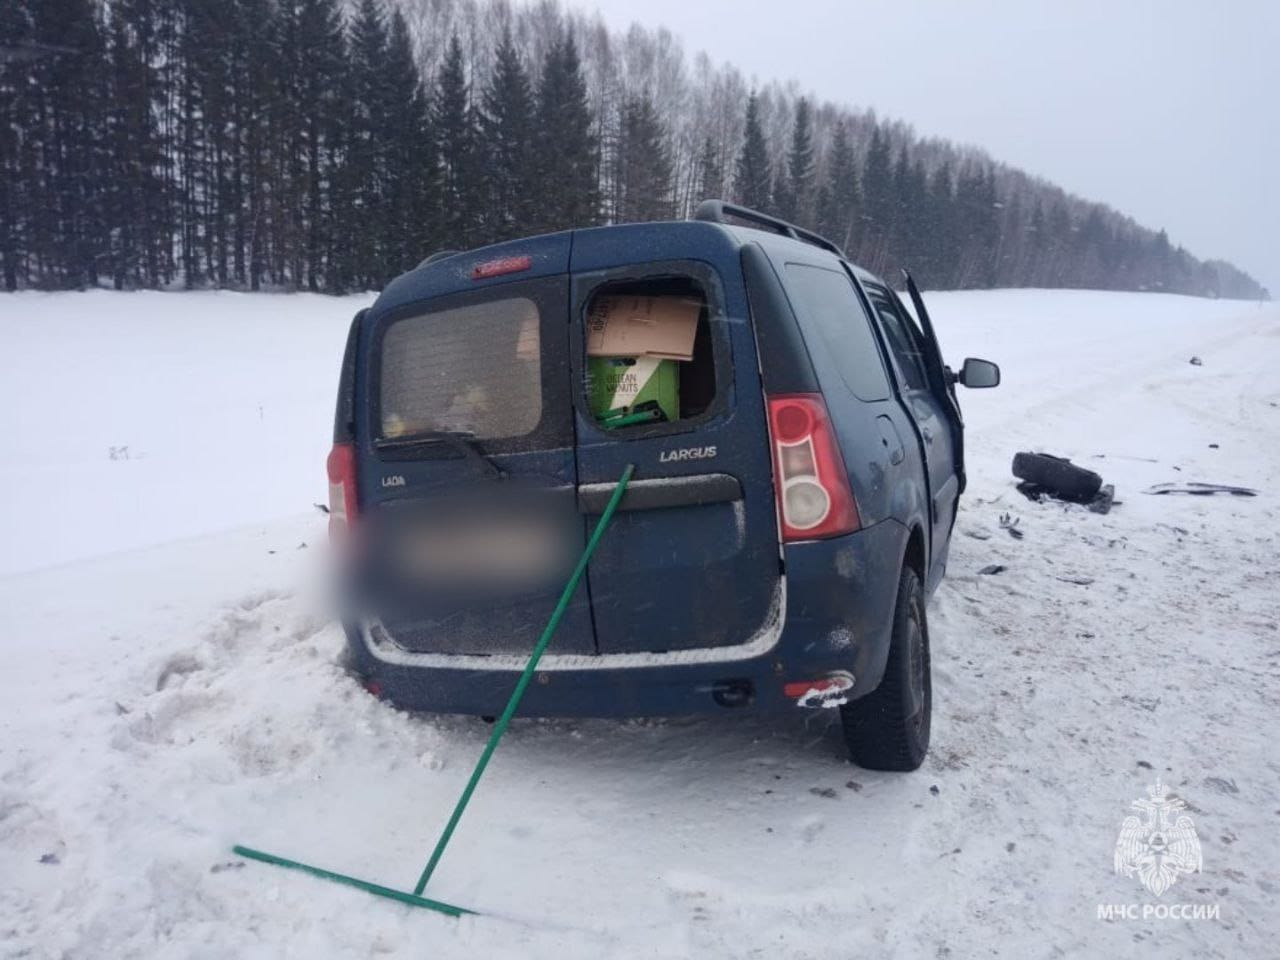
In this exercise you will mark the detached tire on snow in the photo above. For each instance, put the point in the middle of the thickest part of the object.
(889, 728)
(1058, 476)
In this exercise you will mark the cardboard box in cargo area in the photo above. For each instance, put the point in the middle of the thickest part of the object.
(627, 326)
(624, 383)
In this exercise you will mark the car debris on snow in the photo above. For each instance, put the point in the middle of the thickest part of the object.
(1200, 489)
(1046, 476)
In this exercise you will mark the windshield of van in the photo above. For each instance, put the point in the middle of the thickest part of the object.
(472, 369)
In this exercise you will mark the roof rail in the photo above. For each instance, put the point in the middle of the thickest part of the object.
(718, 211)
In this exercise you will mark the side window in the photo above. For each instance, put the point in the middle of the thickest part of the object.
(902, 343)
(827, 301)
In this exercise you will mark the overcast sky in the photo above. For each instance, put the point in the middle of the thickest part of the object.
(1164, 109)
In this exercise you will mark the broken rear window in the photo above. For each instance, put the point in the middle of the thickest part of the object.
(650, 358)
(473, 369)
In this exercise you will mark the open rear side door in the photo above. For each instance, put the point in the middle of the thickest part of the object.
(941, 377)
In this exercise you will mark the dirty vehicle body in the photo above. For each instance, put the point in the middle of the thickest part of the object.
(776, 544)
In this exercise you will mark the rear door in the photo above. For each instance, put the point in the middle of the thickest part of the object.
(692, 558)
(468, 470)
(930, 413)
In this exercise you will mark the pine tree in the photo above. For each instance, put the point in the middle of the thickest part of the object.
(506, 124)
(136, 191)
(70, 235)
(978, 230)
(839, 211)
(363, 172)
(879, 203)
(1033, 274)
(644, 165)
(406, 140)
(909, 240)
(320, 100)
(901, 240)
(752, 183)
(710, 171)
(566, 158)
(457, 145)
(943, 238)
(799, 190)
(17, 160)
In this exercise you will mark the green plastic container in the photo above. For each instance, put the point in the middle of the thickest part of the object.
(619, 384)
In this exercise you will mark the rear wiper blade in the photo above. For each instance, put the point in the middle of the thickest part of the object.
(461, 440)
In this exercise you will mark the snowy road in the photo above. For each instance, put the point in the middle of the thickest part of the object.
(164, 700)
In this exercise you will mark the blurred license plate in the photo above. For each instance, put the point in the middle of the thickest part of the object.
(519, 552)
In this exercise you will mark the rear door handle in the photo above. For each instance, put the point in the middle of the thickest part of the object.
(662, 492)
(927, 434)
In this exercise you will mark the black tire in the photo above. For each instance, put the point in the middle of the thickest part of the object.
(1060, 477)
(889, 728)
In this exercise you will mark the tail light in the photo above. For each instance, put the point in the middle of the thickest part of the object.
(814, 498)
(342, 489)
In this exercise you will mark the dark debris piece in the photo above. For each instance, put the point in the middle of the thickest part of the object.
(1009, 524)
(991, 570)
(1102, 501)
(1033, 491)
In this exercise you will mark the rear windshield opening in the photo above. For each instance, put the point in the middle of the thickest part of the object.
(649, 352)
(473, 369)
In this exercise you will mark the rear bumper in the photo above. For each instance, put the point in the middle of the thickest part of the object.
(836, 614)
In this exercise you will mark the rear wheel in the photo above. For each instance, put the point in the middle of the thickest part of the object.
(889, 728)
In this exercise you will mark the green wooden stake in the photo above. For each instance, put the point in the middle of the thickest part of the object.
(517, 695)
(415, 899)
(374, 888)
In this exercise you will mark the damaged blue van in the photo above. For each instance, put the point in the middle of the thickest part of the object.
(798, 454)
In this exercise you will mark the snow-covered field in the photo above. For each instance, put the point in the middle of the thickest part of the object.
(171, 684)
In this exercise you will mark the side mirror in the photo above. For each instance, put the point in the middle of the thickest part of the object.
(979, 373)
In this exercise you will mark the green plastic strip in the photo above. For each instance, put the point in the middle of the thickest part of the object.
(627, 420)
(517, 695)
(412, 899)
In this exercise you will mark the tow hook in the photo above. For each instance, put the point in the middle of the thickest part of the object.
(732, 693)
